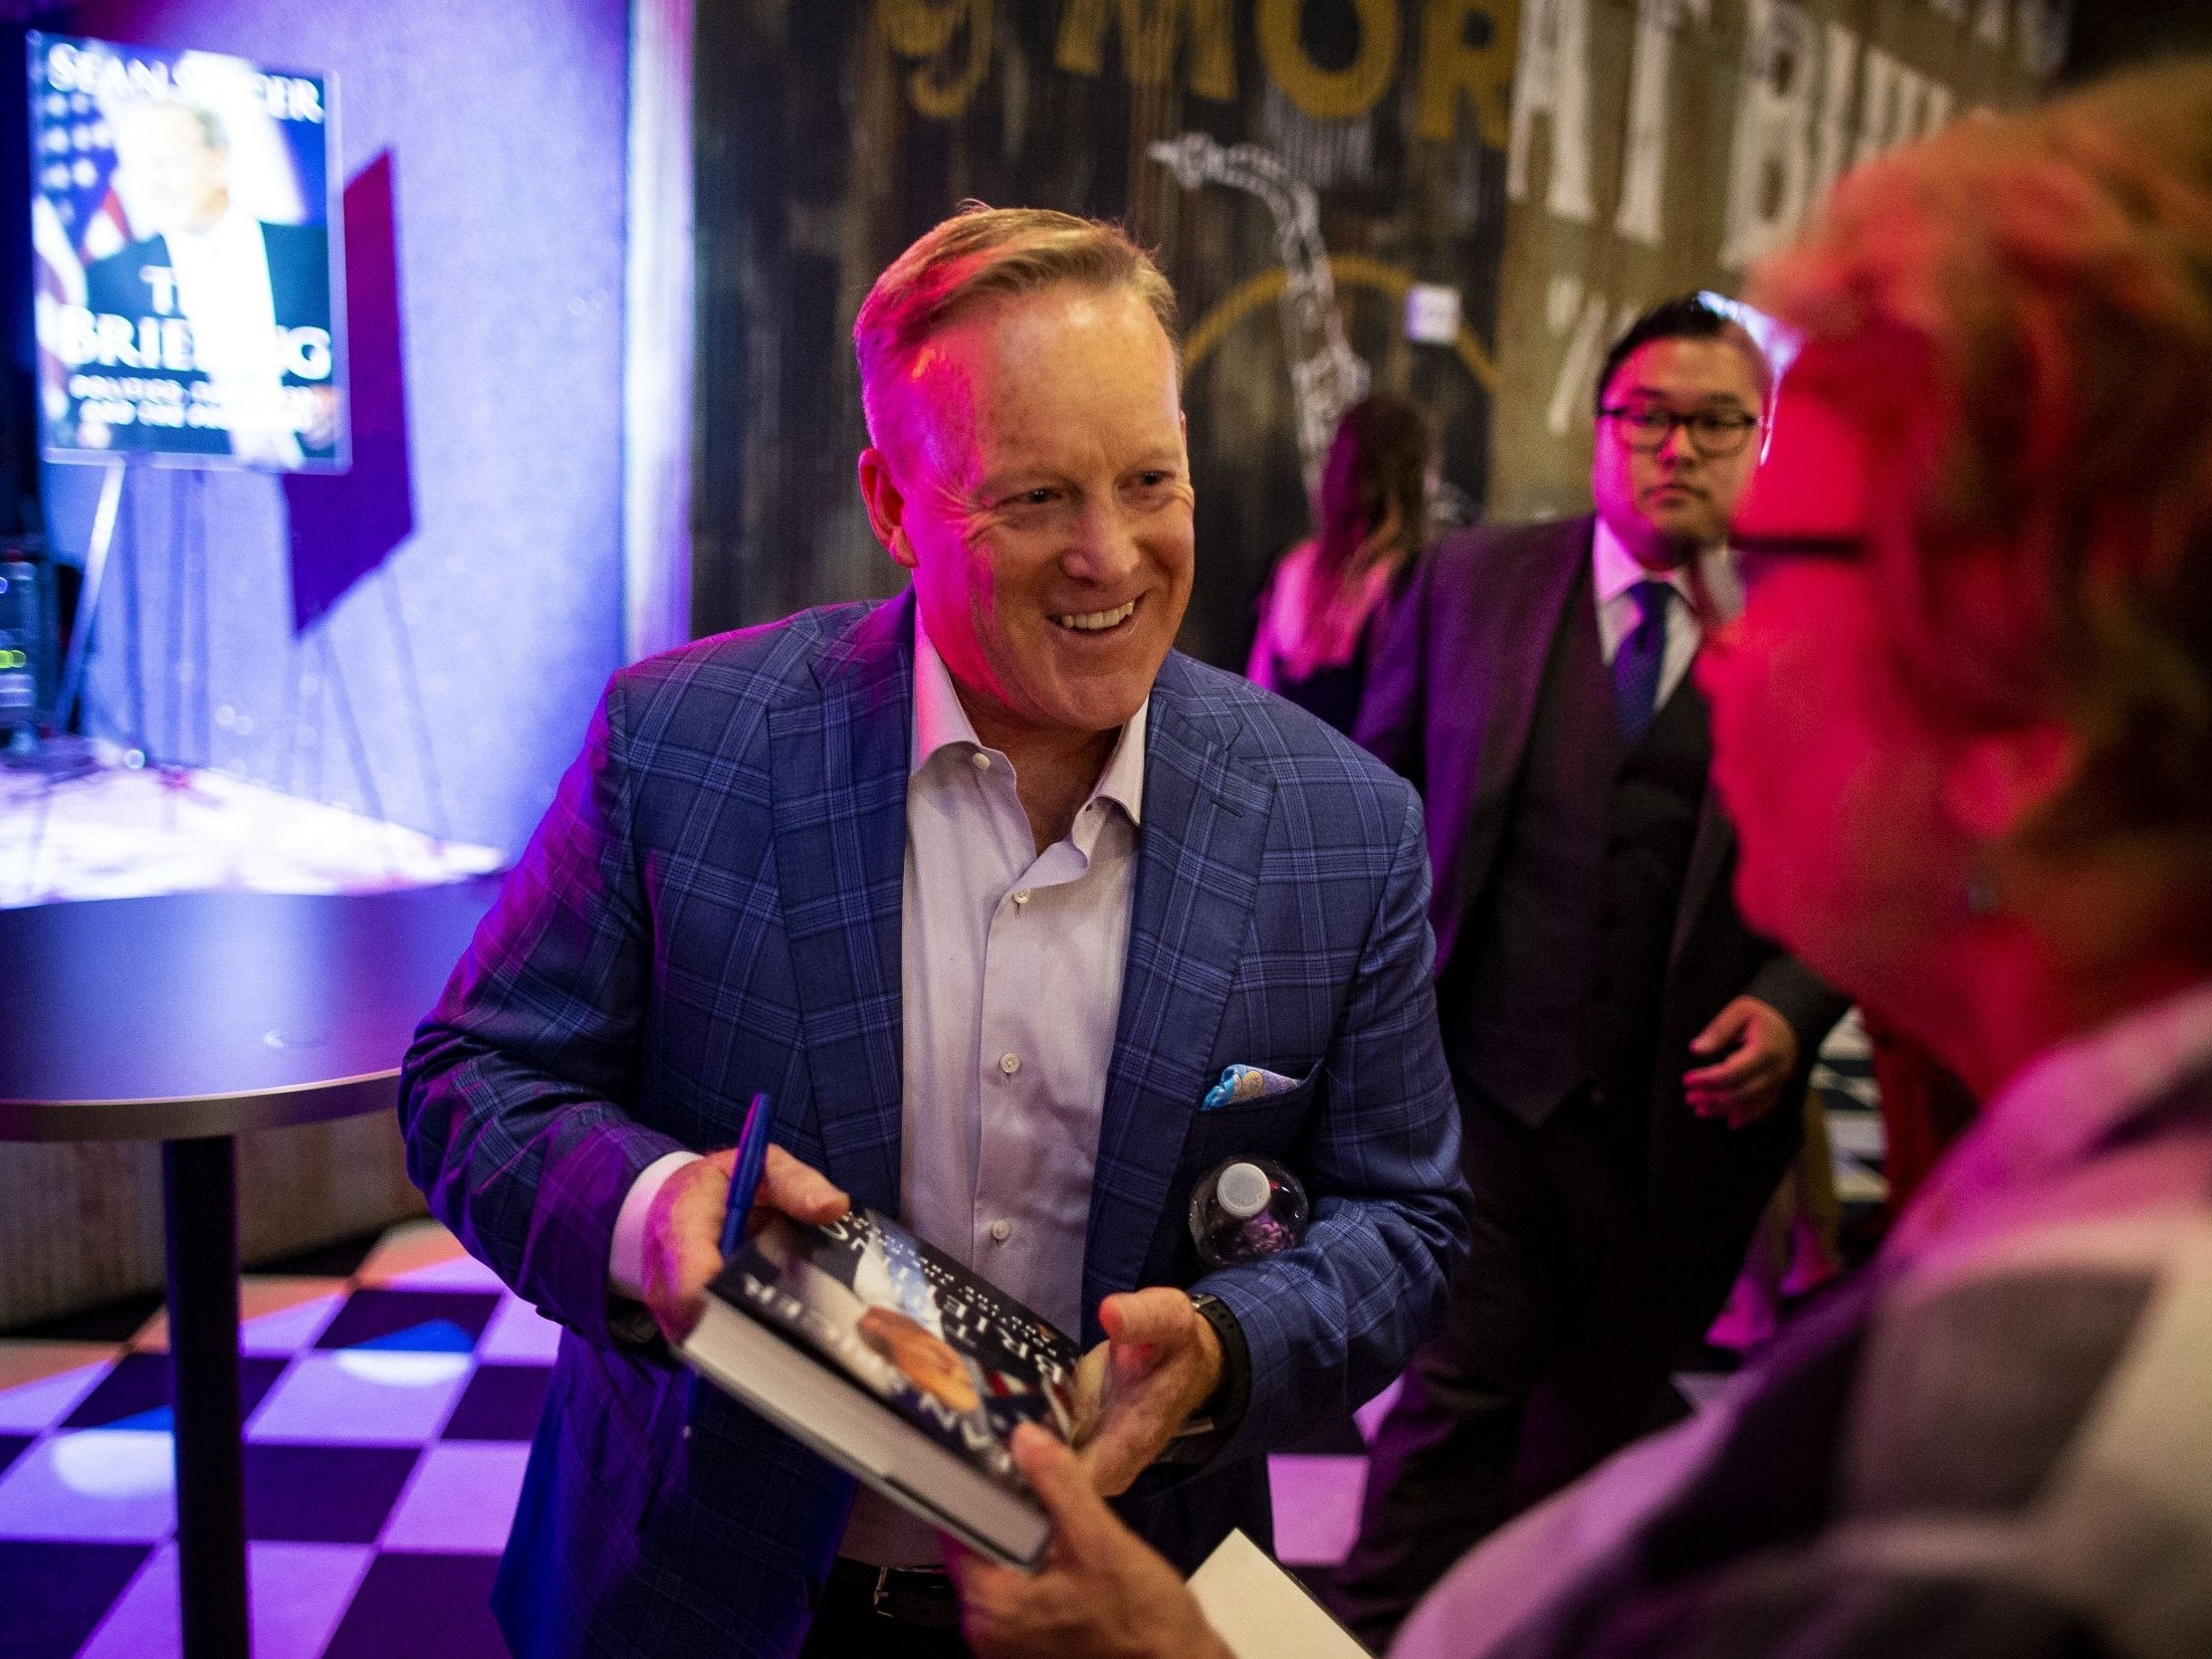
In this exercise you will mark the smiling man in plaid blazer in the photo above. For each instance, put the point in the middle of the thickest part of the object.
(985, 886)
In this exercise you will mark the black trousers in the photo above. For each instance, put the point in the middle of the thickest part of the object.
(1564, 1328)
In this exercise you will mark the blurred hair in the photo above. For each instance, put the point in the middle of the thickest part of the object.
(1374, 503)
(1371, 517)
(981, 254)
(2025, 305)
(1688, 317)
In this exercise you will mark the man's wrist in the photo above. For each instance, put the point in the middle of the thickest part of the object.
(626, 1253)
(1223, 1408)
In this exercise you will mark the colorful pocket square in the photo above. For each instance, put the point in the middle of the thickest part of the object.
(1245, 1083)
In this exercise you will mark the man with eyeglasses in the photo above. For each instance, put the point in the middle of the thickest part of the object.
(1628, 1057)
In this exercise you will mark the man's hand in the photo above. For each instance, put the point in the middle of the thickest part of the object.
(683, 1229)
(1101, 1593)
(1743, 1086)
(1160, 1362)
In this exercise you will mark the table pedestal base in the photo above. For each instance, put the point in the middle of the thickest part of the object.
(199, 1184)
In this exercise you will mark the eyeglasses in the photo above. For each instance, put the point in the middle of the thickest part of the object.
(1713, 433)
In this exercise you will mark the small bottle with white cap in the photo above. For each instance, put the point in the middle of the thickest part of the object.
(1246, 1208)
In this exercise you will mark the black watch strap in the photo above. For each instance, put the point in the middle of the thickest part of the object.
(1223, 1409)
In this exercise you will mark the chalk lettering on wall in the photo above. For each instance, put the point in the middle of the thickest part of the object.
(1897, 103)
(1832, 127)
(1770, 165)
(1330, 95)
(1643, 148)
(1466, 58)
(923, 29)
(1553, 81)
(1151, 33)
(1582, 319)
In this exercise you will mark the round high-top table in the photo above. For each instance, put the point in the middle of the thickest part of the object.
(190, 1019)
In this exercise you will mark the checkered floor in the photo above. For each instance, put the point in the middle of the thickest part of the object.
(389, 1402)
(387, 1419)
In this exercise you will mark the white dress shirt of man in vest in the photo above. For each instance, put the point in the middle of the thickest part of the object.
(1630, 1057)
(236, 312)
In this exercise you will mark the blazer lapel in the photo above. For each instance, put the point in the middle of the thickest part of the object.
(838, 770)
(1205, 817)
(1521, 618)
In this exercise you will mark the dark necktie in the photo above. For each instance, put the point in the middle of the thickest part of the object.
(1635, 665)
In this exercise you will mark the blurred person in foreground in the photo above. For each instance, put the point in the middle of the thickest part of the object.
(985, 886)
(1628, 1056)
(1320, 615)
(1965, 730)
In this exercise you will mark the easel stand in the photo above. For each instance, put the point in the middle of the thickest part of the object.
(87, 598)
(188, 598)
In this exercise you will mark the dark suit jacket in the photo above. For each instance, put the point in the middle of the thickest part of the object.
(1449, 702)
(712, 908)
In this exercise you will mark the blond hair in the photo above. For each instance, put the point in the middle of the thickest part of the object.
(2028, 306)
(985, 253)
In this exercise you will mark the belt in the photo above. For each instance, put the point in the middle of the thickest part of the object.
(920, 1596)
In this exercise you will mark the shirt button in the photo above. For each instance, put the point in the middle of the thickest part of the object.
(1009, 1063)
(1021, 896)
(981, 762)
(1000, 1231)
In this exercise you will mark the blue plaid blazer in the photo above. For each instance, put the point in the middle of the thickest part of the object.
(712, 906)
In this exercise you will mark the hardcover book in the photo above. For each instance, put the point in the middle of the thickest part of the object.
(895, 1362)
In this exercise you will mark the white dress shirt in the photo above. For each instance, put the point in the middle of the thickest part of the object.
(1618, 571)
(1010, 975)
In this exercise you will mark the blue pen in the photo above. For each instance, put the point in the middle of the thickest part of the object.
(753, 1153)
(744, 1176)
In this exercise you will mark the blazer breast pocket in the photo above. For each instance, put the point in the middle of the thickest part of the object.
(1267, 1126)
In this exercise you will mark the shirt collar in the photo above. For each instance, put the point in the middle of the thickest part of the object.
(2057, 1110)
(2064, 1102)
(940, 722)
(1617, 572)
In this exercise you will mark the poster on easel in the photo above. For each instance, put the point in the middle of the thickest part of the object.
(184, 245)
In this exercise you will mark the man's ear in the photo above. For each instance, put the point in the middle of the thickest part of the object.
(1995, 783)
(886, 506)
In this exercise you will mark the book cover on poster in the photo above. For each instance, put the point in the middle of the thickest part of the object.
(896, 1362)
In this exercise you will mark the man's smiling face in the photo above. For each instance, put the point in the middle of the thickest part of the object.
(1037, 486)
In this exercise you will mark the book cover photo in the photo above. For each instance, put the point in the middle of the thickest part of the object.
(930, 1368)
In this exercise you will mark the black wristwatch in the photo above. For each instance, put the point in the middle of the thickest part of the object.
(1222, 1409)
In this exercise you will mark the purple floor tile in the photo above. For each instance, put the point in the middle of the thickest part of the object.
(519, 1334)
(421, 1608)
(323, 1494)
(289, 1329)
(34, 1407)
(374, 1312)
(297, 1594)
(11, 1447)
(462, 1499)
(56, 1593)
(139, 1383)
(361, 1397)
(500, 1403)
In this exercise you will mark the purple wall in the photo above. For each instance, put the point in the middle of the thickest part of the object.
(505, 129)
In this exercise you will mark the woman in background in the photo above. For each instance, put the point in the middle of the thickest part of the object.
(1317, 613)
